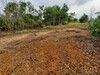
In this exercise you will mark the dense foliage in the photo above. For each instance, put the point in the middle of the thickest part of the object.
(56, 15)
(23, 15)
(95, 28)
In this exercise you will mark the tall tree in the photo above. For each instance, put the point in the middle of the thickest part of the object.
(23, 6)
(11, 11)
(30, 8)
(64, 14)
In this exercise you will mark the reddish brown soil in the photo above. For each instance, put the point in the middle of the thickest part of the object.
(63, 52)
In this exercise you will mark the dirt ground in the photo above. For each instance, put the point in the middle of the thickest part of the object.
(70, 51)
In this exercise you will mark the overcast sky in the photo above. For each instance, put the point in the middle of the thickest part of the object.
(78, 6)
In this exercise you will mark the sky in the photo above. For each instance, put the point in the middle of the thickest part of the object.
(77, 6)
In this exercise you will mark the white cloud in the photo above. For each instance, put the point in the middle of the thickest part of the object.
(78, 6)
(86, 8)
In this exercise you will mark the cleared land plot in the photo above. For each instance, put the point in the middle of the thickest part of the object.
(64, 51)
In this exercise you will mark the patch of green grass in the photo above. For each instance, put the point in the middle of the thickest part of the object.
(32, 31)
(55, 27)
(77, 25)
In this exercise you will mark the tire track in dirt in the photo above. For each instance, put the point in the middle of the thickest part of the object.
(17, 39)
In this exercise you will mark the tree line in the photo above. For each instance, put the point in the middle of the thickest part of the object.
(23, 15)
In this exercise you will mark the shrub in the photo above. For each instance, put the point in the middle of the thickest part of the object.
(17, 27)
(64, 22)
(95, 27)
(48, 23)
(40, 22)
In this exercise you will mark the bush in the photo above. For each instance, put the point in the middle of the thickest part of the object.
(48, 23)
(95, 28)
(40, 22)
(17, 27)
(3, 26)
(64, 22)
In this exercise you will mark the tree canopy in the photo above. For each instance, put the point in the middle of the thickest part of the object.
(23, 15)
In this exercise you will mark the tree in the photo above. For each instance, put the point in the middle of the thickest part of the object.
(51, 15)
(23, 15)
(2, 22)
(48, 15)
(55, 15)
(30, 8)
(11, 11)
(64, 14)
(84, 18)
(22, 7)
